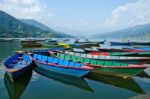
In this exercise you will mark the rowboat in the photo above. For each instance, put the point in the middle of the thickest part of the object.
(51, 42)
(55, 43)
(64, 45)
(120, 43)
(120, 50)
(31, 43)
(65, 79)
(6, 40)
(121, 59)
(140, 43)
(16, 89)
(44, 51)
(85, 44)
(138, 54)
(17, 65)
(143, 48)
(60, 66)
(105, 67)
(88, 42)
(128, 84)
(98, 49)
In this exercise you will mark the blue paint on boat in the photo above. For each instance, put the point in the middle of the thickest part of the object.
(120, 43)
(143, 48)
(13, 62)
(62, 67)
(73, 72)
(44, 51)
(76, 45)
(17, 65)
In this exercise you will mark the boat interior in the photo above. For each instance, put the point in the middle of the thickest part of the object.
(104, 57)
(17, 61)
(54, 60)
(89, 61)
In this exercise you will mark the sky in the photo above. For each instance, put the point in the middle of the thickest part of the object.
(81, 17)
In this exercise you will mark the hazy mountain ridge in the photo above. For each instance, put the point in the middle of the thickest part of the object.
(36, 23)
(12, 27)
(132, 32)
(44, 27)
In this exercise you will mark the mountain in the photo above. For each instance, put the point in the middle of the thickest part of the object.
(12, 27)
(139, 31)
(44, 27)
(36, 24)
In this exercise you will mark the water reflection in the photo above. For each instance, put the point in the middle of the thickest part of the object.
(68, 80)
(68, 87)
(16, 89)
(128, 83)
(144, 75)
(7, 49)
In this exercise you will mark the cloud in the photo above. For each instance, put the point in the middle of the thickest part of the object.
(123, 16)
(130, 14)
(26, 9)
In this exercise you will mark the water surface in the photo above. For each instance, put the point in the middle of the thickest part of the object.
(65, 87)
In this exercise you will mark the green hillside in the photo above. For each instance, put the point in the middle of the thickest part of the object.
(12, 27)
(139, 31)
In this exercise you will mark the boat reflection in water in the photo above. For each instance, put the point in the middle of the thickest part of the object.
(143, 74)
(127, 83)
(16, 89)
(65, 79)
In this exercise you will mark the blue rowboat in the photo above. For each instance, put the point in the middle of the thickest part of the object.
(144, 48)
(141, 49)
(44, 51)
(17, 65)
(120, 43)
(60, 66)
(140, 43)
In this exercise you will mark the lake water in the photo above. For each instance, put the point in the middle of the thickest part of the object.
(37, 86)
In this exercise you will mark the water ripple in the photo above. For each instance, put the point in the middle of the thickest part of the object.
(35, 76)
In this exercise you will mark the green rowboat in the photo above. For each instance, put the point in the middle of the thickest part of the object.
(120, 59)
(105, 67)
(138, 54)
